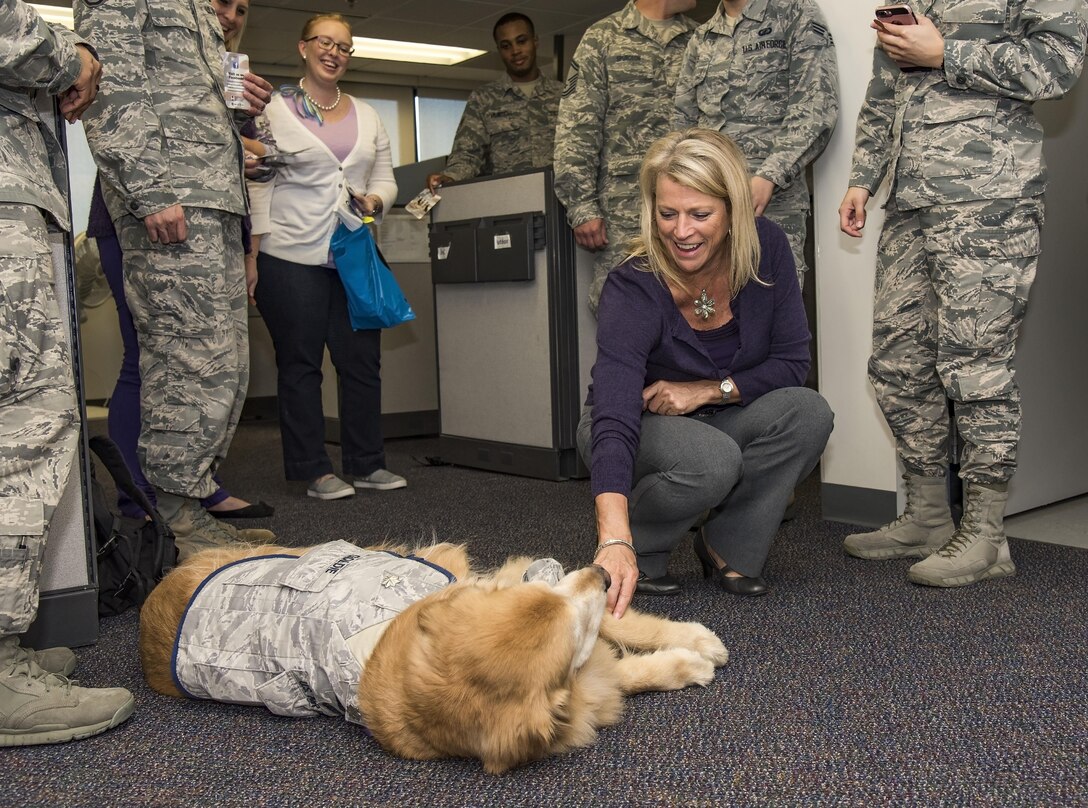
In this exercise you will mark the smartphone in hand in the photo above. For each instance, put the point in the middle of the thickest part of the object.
(898, 14)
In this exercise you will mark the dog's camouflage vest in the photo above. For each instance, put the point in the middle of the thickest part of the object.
(293, 633)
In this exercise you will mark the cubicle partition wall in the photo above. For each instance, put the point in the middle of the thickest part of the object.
(68, 603)
(506, 322)
(409, 386)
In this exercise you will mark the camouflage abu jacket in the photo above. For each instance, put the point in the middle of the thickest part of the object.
(617, 101)
(502, 131)
(772, 85)
(160, 130)
(968, 132)
(33, 56)
(293, 633)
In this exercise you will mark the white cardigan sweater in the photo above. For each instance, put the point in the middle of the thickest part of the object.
(295, 212)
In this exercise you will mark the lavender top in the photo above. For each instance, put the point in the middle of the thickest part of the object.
(642, 338)
(340, 137)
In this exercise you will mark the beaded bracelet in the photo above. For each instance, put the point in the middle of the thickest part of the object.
(611, 542)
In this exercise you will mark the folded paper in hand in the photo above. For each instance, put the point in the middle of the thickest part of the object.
(421, 204)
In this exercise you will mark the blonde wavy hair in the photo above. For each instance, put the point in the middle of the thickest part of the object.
(710, 163)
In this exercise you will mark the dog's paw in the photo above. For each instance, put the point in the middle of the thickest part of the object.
(692, 668)
(667, 669)
(706, 644)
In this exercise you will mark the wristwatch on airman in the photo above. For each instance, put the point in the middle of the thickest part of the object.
(727, 388)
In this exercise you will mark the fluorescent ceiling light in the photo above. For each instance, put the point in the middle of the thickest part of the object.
(420, 52)
(365, 47)
(56, 15)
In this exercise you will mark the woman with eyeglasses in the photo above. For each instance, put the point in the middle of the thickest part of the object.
(334, 146)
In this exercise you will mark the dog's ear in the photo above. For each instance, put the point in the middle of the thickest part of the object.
(532, 647)
(532, 731)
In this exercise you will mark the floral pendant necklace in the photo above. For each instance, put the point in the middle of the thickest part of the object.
(704, 305)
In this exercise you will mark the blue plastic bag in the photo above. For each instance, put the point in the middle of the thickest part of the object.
(374, 298)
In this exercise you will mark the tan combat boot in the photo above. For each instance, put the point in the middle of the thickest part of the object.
(39, 707)
(925, 524)
(51, 660)
(195, 529)
(978, 549)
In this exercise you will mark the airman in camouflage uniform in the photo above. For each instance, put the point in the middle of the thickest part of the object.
(508, 125)
(503, 131)
(763, 72)
(39, 419)
(170, 160)
(618, 100)
(957, 256)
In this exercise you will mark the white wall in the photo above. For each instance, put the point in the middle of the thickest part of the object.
(1050, 356)
(860, 452)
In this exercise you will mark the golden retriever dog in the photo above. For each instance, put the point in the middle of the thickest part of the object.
(491, 667)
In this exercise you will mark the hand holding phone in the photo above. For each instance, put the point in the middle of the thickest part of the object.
(897, 14)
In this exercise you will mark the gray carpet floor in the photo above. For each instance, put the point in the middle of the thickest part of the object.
(846, 685)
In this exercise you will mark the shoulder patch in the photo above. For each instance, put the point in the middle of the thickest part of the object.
(820, 30)
(572, 80)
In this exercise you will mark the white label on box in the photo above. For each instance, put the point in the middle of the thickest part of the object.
(502, 241)
(444, 252)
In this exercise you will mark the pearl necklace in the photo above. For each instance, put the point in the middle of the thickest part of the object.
(313, 101)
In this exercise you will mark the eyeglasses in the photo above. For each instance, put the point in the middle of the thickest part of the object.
(327, 44)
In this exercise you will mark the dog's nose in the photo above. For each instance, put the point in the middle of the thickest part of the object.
(604, 576)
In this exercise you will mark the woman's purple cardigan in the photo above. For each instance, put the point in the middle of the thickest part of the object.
(643, 338)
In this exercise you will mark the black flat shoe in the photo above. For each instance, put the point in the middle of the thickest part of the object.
(742, 586)
(665, 585)
(257, 510)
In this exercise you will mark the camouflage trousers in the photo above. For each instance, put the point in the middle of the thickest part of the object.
(620, 203)
(189, 307)
(788, 209)
(39, 421)
(952, 286)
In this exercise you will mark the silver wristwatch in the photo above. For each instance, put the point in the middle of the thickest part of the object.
(727, 388)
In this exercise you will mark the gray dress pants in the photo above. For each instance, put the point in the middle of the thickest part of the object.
(740, 463)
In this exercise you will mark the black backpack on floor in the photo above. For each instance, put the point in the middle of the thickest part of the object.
(133, 554)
